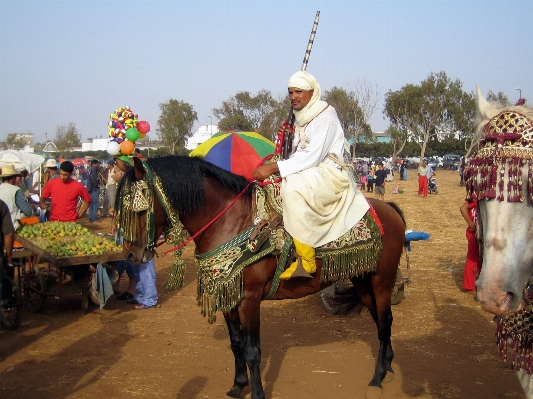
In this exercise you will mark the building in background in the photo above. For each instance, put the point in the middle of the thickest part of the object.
(202, 134)
(379, 137)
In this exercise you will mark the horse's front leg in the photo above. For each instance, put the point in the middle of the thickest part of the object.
(237, 347)
(250, 314)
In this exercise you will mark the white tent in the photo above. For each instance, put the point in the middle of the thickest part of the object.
(21, 160)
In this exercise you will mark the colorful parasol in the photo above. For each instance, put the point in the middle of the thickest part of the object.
(237, 152)
(78, 162)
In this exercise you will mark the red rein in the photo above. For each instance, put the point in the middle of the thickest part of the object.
(208, 224)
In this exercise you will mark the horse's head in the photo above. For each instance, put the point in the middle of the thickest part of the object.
(500, 174)
(134, 210)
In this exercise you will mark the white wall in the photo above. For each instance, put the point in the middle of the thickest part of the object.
(202, 134)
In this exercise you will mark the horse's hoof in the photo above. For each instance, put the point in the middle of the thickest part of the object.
(374, 392)
(234, 392)
(388, 377)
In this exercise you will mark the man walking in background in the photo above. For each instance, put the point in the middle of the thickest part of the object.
(93, 189)
(381, 176)
(423, 179)
(110, 189)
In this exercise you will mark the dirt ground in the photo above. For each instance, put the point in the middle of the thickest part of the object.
(444, 343)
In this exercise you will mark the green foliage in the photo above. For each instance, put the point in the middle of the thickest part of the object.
(449, 145)
(500, 97)
(67, 137)
(350, 114)
(436, 108)
(175, 124)
(260, 113)
(13, 142)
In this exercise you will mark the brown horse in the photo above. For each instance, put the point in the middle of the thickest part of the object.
(198, 191)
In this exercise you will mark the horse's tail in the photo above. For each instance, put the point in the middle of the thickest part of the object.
(400, 212)
(346, 301)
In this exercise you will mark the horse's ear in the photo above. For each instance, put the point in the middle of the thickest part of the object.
(481, 102)
(139, 168)
(485, 110)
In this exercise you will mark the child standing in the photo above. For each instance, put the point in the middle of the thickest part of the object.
(473, 264)
(363, 183)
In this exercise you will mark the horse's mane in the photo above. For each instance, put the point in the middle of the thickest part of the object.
(182, 178)
(491, 109)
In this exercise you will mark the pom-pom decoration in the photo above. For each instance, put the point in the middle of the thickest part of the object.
(127, 147)
(120, 121)
(113, 148)
(124, 129)
(143, 127)
(132, 134)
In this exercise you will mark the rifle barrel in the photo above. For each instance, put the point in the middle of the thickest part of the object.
(287, 140)
(310, 44)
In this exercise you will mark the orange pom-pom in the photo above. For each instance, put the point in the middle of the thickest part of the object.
(127, 147)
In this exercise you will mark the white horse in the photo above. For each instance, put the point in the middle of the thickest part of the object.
(500, 173)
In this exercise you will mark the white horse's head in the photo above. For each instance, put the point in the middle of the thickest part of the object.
(500, 174)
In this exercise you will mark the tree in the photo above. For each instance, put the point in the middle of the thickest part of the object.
(175, 124)
(66, 139)
(14, 142)
(436, 108)
(398, 140)
(260, 113)
(500, 97)
(354, 107)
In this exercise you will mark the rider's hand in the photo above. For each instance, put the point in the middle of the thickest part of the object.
(263, 171)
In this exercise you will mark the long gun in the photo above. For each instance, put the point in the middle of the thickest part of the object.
(287, 136)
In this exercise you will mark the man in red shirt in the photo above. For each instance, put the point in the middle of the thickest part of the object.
(65, 193)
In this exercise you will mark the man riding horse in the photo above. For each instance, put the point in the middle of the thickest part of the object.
(320, 200)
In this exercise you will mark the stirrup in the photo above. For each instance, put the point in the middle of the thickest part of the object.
(300, 272)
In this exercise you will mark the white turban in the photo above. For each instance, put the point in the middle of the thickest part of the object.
(305, 81)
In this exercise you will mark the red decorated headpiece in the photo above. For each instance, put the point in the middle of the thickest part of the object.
(505, 151)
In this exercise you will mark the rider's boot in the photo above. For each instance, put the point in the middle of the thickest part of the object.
(305, 262)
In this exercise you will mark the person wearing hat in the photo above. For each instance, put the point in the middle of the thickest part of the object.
(320, 199)
(65, 193)
(51, 169)
(111, 188)
(13, 196)
(7, 231)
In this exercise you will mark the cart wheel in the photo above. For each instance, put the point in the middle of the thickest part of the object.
(398, 290)
(11, 301)
(327, 296)
(327, 303)
(35, 293)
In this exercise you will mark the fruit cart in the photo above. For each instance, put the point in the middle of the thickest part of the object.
(63, 277)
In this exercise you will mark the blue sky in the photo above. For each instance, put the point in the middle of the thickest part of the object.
(77, 61)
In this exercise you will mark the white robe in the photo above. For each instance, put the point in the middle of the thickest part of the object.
(320, 201)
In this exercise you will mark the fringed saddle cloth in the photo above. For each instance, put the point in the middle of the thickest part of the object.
(220, 272)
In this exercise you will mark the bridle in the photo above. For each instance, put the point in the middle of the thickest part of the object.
(174, 234)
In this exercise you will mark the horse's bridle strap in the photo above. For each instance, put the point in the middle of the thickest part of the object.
(211, 222)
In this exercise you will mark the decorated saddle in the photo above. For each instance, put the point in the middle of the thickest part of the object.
(220, 271)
